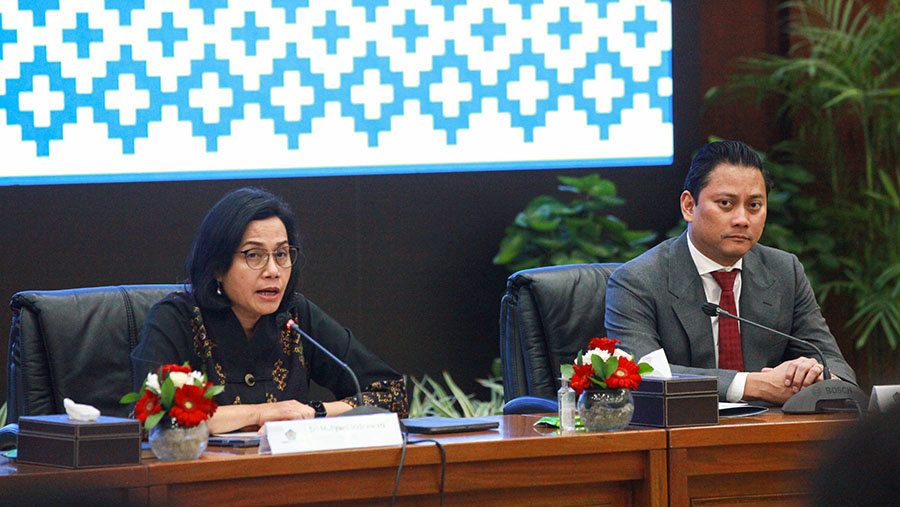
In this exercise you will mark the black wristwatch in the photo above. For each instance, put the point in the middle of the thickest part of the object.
(319, 407)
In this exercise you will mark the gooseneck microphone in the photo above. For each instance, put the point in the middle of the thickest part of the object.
(824, 396)
(285, 320)
(713, 310)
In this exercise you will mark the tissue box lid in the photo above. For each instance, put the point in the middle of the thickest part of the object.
(680, 384)
(61, 426)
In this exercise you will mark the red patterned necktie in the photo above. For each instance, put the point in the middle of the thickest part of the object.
(730, 355)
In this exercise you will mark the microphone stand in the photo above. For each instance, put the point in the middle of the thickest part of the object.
(360, 408)
(821, 397)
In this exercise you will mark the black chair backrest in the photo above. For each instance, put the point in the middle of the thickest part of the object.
(75, 344)
(547, 316)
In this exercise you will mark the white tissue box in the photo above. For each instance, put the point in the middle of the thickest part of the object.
(56, 440)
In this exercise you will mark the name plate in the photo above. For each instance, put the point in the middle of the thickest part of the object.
(884, 398)
(331, 433)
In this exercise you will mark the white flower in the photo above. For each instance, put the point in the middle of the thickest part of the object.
(622, 353)
(179, 378)
(153, 382)
(586, 358)
(196, 378)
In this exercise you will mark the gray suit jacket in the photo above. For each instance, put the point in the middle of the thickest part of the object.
(654, 302)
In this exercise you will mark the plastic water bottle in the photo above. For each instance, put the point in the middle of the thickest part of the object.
(566, 398)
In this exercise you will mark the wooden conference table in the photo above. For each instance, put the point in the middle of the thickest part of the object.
(760, 458)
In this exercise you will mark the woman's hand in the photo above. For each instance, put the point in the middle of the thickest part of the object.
(284, 411)
(252, 417)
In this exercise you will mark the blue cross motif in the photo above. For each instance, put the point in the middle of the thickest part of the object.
(641, 26)
(526, 6)
(39, 9)
(290, 8)
(602, 5)
(6, 36)
(110, 82)
(331, 32)
(83, 35)
(209, 9)
(370, 6)
(124, 7)
(410, 30)
(487, 29)
(448, 6)
(58, 118)
(565, 28)
(250, 33)
(167, 34)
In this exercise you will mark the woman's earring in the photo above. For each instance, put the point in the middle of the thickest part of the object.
(219, 288)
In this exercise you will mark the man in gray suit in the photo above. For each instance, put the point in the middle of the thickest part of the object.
(654, 300)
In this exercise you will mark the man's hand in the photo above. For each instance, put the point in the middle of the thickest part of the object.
(777, 385)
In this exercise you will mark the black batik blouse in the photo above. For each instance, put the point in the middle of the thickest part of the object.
(274, 365)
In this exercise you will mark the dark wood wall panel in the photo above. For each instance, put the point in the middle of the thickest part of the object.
(403, 260)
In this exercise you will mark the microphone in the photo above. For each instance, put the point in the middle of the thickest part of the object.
(285, 320)
(818, 398)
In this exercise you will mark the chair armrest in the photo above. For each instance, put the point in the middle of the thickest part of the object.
(530, 405)
(8, 436)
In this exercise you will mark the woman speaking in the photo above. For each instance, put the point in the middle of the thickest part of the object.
(242, 275)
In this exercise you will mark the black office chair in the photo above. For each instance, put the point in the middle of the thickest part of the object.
(547, 316)
(75, 344)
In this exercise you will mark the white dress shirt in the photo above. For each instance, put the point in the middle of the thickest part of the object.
(705, 267)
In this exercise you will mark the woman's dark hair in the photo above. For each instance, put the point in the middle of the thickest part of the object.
(710, 156)
(221, 233)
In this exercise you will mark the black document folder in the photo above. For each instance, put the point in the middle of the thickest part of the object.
(431, 425)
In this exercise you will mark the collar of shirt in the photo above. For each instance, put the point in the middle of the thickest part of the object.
(705, 265)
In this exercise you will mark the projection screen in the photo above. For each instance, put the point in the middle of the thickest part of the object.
(116, 90)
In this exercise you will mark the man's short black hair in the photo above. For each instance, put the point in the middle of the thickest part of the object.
(710, 156)
(220, 235)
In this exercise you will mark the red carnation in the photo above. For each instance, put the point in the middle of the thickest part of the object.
(626, 375)
(169, 368)
(191, 406)
(581, 378)
(603, 344)
(148, 404)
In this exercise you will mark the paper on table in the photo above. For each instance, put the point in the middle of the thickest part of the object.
(739, 409)
(238, 434)
(657, 359)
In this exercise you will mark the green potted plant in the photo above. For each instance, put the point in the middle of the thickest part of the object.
(550, 232)
(839, 88)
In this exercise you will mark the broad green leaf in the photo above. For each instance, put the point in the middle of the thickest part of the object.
(130, 398)
(167, 392)
(510, 247)
(152, 420)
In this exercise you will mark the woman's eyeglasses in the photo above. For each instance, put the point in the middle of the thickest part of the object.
(257, 258)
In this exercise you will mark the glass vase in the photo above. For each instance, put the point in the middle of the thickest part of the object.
(178, 443)
(606, 409)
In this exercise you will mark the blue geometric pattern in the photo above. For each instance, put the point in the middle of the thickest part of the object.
(167, 34)
(323, 87)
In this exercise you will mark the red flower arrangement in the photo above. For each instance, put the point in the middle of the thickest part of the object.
(177, 393)
(606, 366)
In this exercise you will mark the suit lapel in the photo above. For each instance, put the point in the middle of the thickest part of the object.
(759, 304)
(687, 289)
